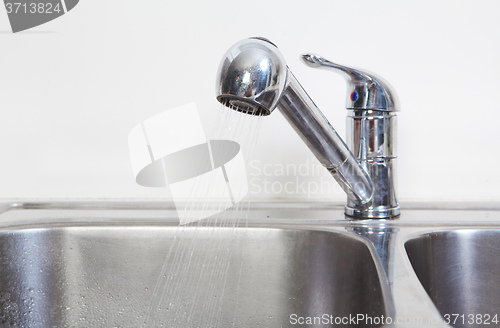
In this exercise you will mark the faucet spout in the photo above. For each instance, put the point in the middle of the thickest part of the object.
(324, 142)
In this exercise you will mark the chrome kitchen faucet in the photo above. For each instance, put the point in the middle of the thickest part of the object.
(253, 78)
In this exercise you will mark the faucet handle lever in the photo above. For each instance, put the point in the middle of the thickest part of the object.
(365, 90)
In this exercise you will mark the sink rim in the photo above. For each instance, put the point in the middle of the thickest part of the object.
(414, 214)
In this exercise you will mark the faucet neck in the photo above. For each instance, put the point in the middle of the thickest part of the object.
(324, 142)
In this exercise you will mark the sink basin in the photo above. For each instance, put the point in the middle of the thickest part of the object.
(459, 270)
(95, 269)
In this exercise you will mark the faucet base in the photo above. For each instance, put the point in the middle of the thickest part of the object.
(371, 213)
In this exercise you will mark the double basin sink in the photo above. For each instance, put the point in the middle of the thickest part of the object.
(130, 264)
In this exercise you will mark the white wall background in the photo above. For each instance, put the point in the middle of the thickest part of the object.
(71, 90)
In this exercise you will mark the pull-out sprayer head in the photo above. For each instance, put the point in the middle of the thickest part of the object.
(252, 77)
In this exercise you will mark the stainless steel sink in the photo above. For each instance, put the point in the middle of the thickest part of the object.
(459, 270)
(129, 264)
(132, 267)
